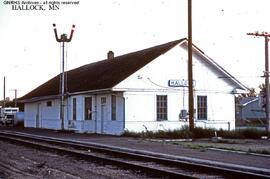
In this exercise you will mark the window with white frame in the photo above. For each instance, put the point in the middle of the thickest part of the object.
(88, 108)
(201, 107)
(113, 107)
(161, 103)
(74, 108)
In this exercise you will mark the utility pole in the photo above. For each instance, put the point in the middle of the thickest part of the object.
(4, 91)
(15, 99)
(266, 75)
(63, 39)
(190, 70)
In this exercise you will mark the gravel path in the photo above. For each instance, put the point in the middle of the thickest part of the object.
(17, 161)
(172, 148)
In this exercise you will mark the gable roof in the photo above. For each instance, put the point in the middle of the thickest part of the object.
(214, 65)
(107, 73)
(102, 74)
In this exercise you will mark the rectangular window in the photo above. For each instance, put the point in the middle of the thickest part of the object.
(88, 108)
(113, 107)
(162, 107)
(74, 108)
(201, 107)
(49, 103)
(103, 100)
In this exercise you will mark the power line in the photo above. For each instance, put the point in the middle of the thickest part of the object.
(266, 74)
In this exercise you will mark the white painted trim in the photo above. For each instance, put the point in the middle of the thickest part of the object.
(97, 91)
(35, 99)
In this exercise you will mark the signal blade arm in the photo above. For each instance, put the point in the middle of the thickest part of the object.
(71, 33)
(55, 33)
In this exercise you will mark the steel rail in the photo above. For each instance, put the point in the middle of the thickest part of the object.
(87, 156)
(201, 168)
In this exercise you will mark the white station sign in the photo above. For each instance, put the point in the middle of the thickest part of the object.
(180, 83)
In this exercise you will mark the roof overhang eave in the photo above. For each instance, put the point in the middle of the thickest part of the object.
(42, 98)
(240, 90)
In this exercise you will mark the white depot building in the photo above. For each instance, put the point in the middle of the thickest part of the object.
(138, 91)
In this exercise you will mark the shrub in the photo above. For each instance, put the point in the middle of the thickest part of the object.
(199, 132)
(230, 134)
(184, 133)
(172, 134)
(253, 133)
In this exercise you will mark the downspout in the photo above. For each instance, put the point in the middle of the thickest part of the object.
(124, 113)
(67, 111)
(96, 113)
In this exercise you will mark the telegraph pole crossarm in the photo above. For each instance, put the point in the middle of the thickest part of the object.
(262, 34)
(266, 35)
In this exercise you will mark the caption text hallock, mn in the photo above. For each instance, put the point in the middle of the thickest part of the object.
(38, 5)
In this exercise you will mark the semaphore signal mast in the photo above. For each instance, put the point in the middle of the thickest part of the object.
(63, 39)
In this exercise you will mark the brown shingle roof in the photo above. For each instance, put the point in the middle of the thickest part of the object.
(102, 74)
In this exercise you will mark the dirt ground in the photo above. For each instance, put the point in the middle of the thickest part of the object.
(17, 161)
(249, 146)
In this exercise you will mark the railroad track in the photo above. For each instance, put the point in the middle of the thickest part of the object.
(151, 164)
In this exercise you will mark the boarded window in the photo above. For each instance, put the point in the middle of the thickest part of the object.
(88, 108)
(162, 107)
(201, 107)
(74, 108)
(113, 107)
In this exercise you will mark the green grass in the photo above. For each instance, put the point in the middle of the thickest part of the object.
(231, 140)
(227, 144)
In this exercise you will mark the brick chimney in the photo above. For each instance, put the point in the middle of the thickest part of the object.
(110, 55)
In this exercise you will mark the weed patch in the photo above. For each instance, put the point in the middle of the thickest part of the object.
(184, 133)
